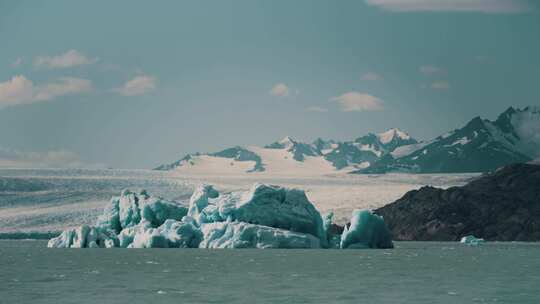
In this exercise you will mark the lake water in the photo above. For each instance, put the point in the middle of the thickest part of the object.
(414, 272)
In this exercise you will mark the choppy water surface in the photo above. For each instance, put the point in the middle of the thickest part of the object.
(412, 273)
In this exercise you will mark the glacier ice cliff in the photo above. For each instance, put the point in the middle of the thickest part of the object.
(263, 217)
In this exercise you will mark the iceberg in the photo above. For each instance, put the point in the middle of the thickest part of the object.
(367, 230)
(471, 240)
(265, 216)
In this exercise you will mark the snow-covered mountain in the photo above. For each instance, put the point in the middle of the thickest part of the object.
(481, 145)
(292, 157)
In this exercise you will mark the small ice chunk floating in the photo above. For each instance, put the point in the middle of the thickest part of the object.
(263, 217)
(471, 240)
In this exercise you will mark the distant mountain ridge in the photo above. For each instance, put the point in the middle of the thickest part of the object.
(320, 154)
(481, 145)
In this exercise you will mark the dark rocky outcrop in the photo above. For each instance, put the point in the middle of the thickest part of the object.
(500, 206)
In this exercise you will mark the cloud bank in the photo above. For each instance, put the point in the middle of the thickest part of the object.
(20, 90)
(137, 86)
(479, 6)
(358, 102)
(49, 159)
(68, 59)
(280, 90)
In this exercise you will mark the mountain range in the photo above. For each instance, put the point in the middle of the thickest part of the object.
(479, 146)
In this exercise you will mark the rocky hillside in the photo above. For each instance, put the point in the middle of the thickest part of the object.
(499, 206)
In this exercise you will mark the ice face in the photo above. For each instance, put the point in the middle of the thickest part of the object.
(245, 235)
(130, 209)
(199, 200)
(367, 230)
(263, 217)
(471, 240)
(149, 238)
(183, 234)
(156, 212)
(264, 205)
(85, 236)
(332, 237)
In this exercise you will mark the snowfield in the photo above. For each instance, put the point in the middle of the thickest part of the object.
(43, 200)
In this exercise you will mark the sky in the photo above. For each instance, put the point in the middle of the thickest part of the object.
(134, 84)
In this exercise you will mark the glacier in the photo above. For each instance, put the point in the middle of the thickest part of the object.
(265, 216)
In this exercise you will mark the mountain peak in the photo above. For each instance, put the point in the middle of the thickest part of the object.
(389, 135)
(285, 143)
(287, 140)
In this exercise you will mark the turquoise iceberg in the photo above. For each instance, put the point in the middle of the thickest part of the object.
(367, 230)
(265, 216)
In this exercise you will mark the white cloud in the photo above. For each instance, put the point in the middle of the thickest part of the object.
(355, 101)
(68, 59)
(440, 85)
(137, 86)
(15, 91)
(280, 90)
(20, 90)
(65, 86)
(316, 109)
(371, 76)
(431, 70)
(17, 62)
(481, 6)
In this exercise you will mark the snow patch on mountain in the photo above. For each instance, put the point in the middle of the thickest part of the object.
(282, 162)
(292, 157)
(462, 141)
(408, 149)
(201, 164)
